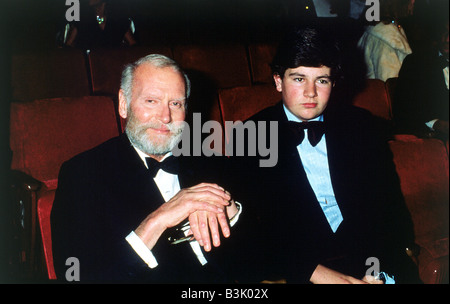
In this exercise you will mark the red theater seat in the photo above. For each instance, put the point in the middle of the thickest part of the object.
(422, 165)
(44, 134)
(374, 98)
(391, 86)
(260, 57)
(106, 65)
(226, 65)
(242, 102)
(49, 74)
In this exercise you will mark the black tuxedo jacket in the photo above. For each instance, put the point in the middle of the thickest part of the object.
(104, 194)
(290, 233)
(421, 94)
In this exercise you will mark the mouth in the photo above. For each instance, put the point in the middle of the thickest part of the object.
(161, 130)
(309, 105)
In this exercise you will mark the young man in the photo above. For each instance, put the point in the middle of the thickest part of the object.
(115, 206)
(333, 202)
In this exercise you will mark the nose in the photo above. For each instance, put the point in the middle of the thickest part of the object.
(310, 90)
(164, 113)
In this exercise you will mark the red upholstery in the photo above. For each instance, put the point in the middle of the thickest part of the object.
(375, 99)
(391, 85)
(422, 165)
(242, 102)
(45, 133)
(106, 66)
(44, 208)
(226, 65)
(49, 74)
(260, 57)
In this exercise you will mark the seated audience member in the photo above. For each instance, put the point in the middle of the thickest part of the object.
(102, 24)
(421, 100)
(117, 204)
(332, 204)
(385, 44)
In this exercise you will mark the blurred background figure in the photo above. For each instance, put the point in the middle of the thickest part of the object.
(385, 43)
(357, 9)
(421, 101)
(103, 23)
(324, 8)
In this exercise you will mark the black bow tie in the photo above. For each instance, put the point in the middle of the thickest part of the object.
(170, 165)
(316, 129)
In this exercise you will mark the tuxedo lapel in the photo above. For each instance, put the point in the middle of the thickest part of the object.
(299, 203)
(186, 174)
(348, 150)
(140, 194)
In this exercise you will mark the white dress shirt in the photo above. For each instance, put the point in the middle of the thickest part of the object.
(315, 163)
(168, 185)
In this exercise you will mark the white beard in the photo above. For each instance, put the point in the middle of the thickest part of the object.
(137, 134)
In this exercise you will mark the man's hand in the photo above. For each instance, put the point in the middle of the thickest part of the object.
(205, 225)
(203, 197)
(372, 280)
(325, 275)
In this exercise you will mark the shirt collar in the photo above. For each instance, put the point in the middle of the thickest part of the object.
(143, 155)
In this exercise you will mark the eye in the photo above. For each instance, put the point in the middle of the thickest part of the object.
(323, 81)
(299, 79)
(177, 104)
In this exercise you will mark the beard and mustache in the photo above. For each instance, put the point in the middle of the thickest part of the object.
(160, 144)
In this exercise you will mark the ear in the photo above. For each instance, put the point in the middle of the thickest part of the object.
(123, 107)
(278, 82)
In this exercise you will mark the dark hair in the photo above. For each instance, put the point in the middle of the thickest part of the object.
(309, 46)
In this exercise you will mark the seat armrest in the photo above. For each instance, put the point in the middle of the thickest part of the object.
(24, 181)
(413, 252)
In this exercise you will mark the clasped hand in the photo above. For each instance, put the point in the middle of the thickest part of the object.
(207, 206)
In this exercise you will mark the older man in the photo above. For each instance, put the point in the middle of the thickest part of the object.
(116, 205)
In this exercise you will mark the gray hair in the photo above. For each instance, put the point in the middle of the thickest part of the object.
(157, 60)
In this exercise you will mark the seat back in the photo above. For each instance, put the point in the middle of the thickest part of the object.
(226, 65)
(106, 65)
(422, 166)
(240, 103)
(391, 86)
(45, 133)
(374, 98)
(260, 58)
(49, 74)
